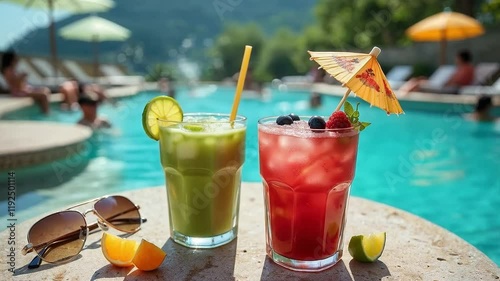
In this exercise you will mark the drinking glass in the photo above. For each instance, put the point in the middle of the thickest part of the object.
(202, 157)
(306, 175)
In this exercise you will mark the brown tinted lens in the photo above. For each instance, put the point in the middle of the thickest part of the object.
(59, 237)
(120, 212)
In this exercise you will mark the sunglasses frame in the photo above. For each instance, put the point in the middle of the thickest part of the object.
(101, 223)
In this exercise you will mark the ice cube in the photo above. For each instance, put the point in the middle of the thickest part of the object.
(209, 142)
(312, 176)
(307, 145)
(187, 149)
(285, 142)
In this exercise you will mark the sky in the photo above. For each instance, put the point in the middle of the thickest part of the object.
(15, 21)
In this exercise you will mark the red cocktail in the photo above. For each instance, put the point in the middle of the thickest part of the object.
(307, 175)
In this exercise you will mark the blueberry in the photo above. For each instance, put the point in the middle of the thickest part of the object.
(284, 120)
(294, 116)
(317, 122)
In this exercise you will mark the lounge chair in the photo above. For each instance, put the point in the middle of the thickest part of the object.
(4, 89)
(33, 77)
(77, 72)
(485, 72)
(47, 71)
(494, 89)
(112, 75)
(436, 82)
(296, 79)
(398, 75)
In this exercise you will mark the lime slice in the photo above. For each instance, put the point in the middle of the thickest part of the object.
(164, 108)
(367, 248)
(194, 128)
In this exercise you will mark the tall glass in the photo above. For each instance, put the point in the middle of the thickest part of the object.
(307, 175)
(202, 158)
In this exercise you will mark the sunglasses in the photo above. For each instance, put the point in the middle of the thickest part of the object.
(60, 237)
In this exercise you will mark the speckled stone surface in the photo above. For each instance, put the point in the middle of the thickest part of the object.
(25, 143)
(9, 104)
(415, 249)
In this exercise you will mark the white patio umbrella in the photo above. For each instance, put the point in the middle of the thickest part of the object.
(72, 6)
(95, 29)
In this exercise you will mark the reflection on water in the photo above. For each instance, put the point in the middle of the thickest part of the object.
(101, 176)
(438, 167)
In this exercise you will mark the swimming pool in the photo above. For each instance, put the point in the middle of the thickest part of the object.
(437, 166)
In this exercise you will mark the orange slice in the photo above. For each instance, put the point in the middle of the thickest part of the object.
(148, 256)
(118, 251)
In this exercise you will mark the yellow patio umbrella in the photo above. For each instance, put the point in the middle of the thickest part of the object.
(443, 27)
(360, 73)
(72, 6)
(95, 29)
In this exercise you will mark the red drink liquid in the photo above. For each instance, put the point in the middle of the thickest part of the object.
(307, 176)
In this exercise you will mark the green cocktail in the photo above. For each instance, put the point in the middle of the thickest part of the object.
(202, 157)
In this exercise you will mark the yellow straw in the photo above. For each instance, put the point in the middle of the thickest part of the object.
(241, 81)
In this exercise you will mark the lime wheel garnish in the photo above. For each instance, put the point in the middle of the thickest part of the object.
(163, 108)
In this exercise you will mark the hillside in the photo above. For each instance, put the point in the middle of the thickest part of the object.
(159, 28)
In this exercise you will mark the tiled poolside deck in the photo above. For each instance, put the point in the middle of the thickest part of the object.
(415, 249)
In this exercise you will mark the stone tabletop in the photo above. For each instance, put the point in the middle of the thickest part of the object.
(415, 249)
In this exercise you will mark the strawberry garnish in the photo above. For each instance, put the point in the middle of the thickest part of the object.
(346, 119)
(338, 120)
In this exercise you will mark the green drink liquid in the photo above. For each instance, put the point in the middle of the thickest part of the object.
(202, 160)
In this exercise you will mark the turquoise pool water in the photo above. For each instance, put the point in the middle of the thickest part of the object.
(437, 166)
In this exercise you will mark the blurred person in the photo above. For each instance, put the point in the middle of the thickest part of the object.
(463, 76)
(482, 110)
(17, 84)
(166, 86)
(251, 88)
(249, 84)
(315, 100)
(76, 88)
(318, 77)
(88, 105)
(163, 84)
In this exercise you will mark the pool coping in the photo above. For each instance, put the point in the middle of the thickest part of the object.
(419, 97)
(55, 141)
(9, 104)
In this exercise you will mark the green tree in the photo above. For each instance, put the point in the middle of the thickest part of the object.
(228, 48)
(312, 39)
(157, 71)
(363, 23)
(277, 57)
(491, 10)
